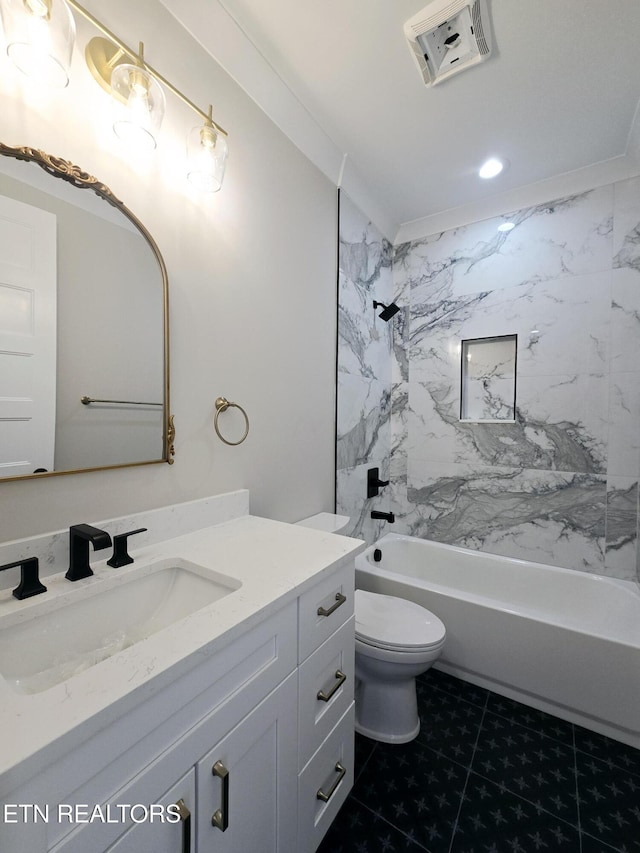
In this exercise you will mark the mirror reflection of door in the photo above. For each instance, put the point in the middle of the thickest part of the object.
(27, 338)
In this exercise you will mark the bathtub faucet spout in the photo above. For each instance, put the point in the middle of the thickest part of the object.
(383, 516)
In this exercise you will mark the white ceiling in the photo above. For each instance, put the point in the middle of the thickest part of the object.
(559, 93)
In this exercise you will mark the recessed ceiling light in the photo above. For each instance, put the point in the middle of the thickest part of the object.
(491, 168)
(507, 226)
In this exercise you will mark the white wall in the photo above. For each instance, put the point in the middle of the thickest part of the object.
(252, 288)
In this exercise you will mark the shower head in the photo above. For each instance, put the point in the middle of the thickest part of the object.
(390, 310)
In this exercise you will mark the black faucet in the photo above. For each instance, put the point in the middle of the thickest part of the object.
(79, 537)
(120, 554)
(29, 581)
(385, 516)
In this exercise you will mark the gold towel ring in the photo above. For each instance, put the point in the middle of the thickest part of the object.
(222, 404)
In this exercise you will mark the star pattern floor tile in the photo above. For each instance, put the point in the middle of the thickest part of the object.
(454, 686)
(449, 725)
(615, 754)
(415, 789)
(489, 775)
(609, 803)
(493, 819)
(530, 764)
(359, 830)
(530, 717)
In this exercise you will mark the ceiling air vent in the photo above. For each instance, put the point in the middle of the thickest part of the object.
(448, 36)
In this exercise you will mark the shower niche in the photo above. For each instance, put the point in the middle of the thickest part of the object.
(488, 379)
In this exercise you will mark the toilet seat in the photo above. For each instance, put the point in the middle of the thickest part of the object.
(395, 624)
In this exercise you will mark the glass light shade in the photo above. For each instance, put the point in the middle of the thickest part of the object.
(207, 152)
(40, 35)
(138, 106)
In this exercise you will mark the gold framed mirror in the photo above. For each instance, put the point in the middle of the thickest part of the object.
(84, 326)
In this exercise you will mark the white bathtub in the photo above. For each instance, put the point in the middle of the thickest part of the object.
(563, 641)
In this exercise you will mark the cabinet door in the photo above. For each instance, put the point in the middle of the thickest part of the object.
(247, 795)
(160, 836)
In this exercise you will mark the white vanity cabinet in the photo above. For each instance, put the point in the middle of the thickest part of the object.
(326, 717)
(244, 717)
(254, 739)
(161, 836)
(246, 784)
(246, 806)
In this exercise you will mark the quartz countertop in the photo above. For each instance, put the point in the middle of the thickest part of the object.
(274, 561)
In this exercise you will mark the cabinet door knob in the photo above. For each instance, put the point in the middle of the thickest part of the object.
(325, 797)
(185, 817)
(340, 599)
(340, 680)
(220, 818)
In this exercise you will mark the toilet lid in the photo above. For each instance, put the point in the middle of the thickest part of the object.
(389, 622)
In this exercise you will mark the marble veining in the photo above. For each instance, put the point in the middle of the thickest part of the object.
(621, 530)
(625, 320)
(364, 410)
(531, 441)
(517, 513)
(352, 485)
(626, 235)
(559, 484)
(364, 341)
(52, 549)
(365, 347)
(629, 254)
(569, 236)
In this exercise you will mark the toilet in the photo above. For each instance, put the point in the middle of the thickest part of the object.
(396, 640)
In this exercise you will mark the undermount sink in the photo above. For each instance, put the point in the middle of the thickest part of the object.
(42, 647)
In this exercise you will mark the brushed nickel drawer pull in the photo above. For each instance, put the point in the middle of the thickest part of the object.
(324, 697)
(185, 817)
(220, 818)
(340, 599)
(326, 797)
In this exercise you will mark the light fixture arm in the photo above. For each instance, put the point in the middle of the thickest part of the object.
(138, 59)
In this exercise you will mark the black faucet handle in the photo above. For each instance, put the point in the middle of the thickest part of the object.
(120, 554)
(374, 482)
(29, 581)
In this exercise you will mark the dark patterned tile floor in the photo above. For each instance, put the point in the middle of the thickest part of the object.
(489, 775)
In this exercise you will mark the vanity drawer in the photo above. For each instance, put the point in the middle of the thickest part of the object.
(324, 608)
(325, 782)
(326, 688)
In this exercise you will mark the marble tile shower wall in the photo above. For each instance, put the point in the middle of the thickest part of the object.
(364, 368)
(560, 485)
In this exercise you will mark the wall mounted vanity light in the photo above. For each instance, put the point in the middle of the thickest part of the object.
(40, 36)
(138, 104)
(206, 156)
